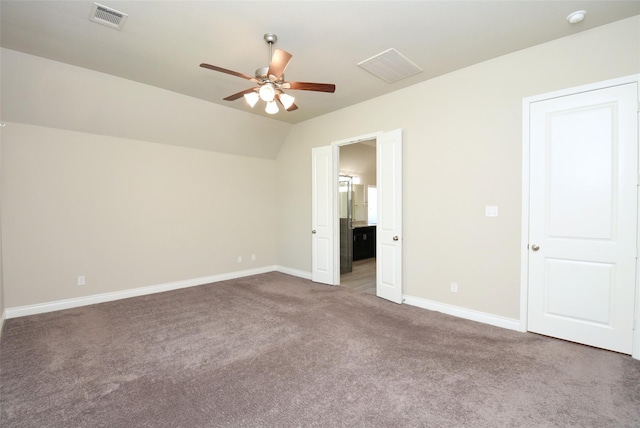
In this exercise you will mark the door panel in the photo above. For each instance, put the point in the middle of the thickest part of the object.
(322, 269)
(583, 217)
(389, 228)
(581, 175)
(593, 282)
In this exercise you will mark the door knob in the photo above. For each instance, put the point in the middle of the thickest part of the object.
(395, 238)
(313, 231)
(534, 247)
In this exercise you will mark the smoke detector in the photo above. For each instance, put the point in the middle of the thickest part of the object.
(576, 16)
(107, 16)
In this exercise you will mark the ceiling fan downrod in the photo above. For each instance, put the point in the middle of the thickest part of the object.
(270, 38)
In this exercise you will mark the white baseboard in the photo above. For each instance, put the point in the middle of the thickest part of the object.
(3, 316)
(58, 305)
(469, 314)
(294, 272)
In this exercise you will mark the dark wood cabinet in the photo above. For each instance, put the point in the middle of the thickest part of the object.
(364, 242)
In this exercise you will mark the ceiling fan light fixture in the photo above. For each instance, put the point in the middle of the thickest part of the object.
(270, 82)
(267, 92)
(252, 98)
(272, 107)
(286, 100)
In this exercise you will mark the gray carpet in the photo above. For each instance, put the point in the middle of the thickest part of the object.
(277, 351)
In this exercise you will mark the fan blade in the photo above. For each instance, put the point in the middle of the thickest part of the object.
(307, 86)
(239, 94)
(278, 64)
(224, 70)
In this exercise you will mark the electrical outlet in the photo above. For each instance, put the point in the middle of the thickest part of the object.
(239, 259)
(253, 257)
(454, 287)
(491, 211)
(81, 280)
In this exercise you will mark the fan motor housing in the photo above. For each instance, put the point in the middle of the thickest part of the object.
(262, 74)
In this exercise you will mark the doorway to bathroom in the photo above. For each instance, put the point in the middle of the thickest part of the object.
(325, 230)
(358, 215)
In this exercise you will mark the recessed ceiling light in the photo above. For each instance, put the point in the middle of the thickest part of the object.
(576, 16)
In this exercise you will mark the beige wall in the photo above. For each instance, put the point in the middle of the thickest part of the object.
(92, 183)
(359, 159)
(126, 184)
(2, 311)
(2, 304)
(126, 213)
(462, 150)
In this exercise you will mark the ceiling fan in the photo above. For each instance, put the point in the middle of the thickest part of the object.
(271, 83)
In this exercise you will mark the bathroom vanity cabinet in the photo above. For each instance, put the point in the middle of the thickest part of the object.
(364, 242)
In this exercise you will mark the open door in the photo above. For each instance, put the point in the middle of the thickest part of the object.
(324, 239)
(389, 230)
(323, 266)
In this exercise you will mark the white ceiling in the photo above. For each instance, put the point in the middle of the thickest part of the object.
(163, 42)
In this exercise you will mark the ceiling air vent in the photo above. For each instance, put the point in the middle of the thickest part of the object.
(106, 16)
(390, 66)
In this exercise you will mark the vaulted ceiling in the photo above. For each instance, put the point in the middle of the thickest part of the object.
(163, 42)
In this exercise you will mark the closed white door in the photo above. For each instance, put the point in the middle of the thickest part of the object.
(322, 213)
(389, 227)
(583, 217)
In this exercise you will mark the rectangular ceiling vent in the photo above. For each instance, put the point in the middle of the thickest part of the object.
(390, 66)
(107, 16)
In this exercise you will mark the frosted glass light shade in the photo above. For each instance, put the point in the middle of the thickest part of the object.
(252, 98)
(287, 100)
(272, 107)
(267, 92)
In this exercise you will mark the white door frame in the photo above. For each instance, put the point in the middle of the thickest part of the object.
(336, 206)
(524, 244)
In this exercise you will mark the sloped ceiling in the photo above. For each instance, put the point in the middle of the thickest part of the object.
(163, 42)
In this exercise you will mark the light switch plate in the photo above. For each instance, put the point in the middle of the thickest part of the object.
(491, 211)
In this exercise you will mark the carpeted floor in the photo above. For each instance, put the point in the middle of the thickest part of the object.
(277, 351)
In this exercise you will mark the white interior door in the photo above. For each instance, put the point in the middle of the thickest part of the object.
(322, 213)
(583, 217)
(389, 228)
